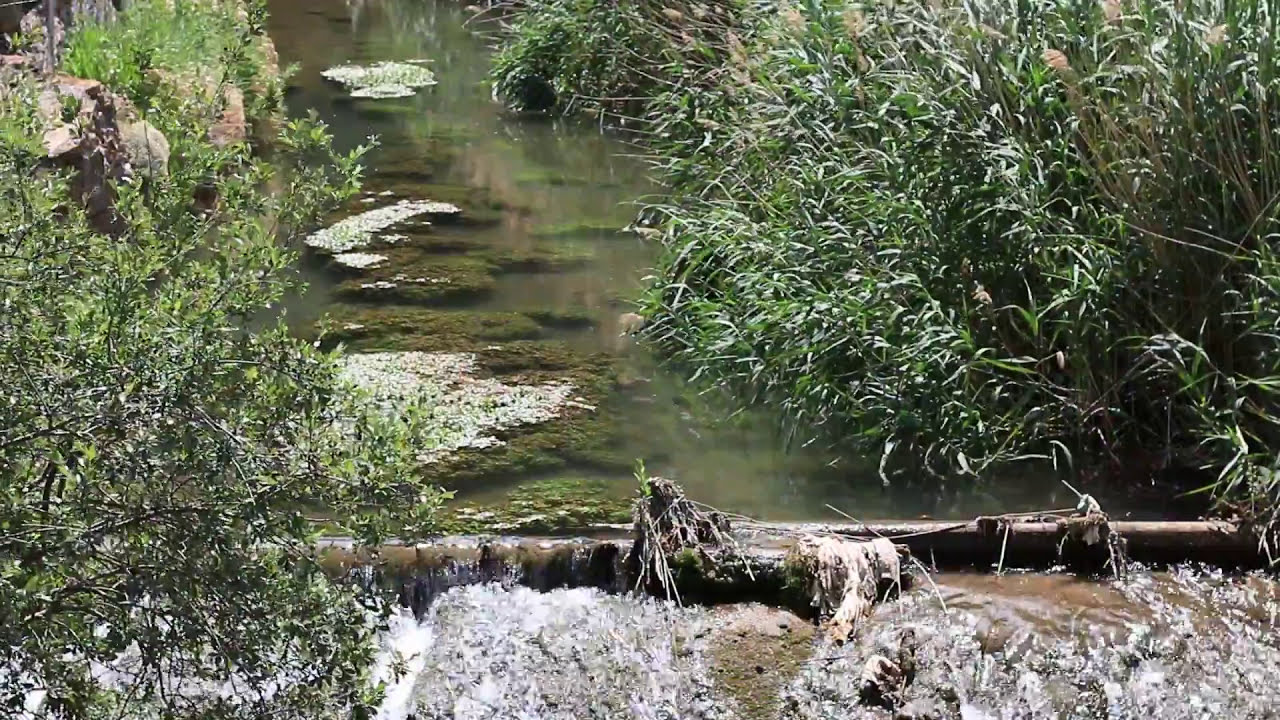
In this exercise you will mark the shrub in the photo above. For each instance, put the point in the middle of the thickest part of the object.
(162, 437)
(968, 232)
(611, 57)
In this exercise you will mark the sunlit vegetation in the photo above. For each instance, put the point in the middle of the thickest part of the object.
(960, 233)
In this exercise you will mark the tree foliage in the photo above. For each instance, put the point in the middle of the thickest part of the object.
(162, 439)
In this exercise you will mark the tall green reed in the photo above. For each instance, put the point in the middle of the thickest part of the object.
(968, 232)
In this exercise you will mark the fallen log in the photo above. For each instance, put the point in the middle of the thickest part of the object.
(679, 551)
(682, 551)
(417, 574)
(1040, 543)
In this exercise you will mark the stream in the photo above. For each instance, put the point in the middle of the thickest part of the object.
(534, 275)
(538, 258)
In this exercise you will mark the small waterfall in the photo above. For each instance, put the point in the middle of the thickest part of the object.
(487, 651)
(418, 575)
(407, 641)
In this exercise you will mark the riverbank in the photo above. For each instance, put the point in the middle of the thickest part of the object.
(957, 239)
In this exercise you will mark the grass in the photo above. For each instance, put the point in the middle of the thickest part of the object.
(160, 51)
(955, 234)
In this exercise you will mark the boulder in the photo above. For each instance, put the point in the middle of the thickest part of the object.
(62, 140)
(146, 149)
(81, 134)
(33, 26)
(224, 101)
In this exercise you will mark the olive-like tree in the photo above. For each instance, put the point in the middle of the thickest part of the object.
(163, 438)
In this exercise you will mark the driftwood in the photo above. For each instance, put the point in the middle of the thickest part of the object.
(680, 547)
(845, 577)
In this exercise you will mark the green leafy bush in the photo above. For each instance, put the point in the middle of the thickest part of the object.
(611, 57)
(961, 233)
(186, 39)
(164, 436)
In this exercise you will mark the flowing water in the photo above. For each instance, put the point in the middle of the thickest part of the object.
(1172, 645)
(546, 202)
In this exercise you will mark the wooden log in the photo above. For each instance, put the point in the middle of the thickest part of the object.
(1040, 543)
(417, 575)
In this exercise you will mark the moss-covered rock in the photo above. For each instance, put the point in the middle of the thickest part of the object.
(462, 407)
(543, 257)
(755, 653)
(546, 506)
(408, 275)
(367, 327)
(588, 228)
(567, 319)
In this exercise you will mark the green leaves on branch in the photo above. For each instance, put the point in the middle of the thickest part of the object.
(165, 442)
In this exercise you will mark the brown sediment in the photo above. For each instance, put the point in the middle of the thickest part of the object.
(755, 652)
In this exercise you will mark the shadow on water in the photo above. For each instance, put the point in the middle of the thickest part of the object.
(546, 200)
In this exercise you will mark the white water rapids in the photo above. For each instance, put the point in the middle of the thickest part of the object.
(1182, 645)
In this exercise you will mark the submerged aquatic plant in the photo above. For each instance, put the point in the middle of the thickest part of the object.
(381, 80)
(358, 231)
(460, 409)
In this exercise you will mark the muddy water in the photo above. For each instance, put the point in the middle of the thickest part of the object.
(562, 191)
(1175, 645)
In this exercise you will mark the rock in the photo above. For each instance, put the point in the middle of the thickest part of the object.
(880, 684)
(32, 26)
(89, 146)
(630, 323)
(756, 651)
(49, 105)
(231, 127)
(146, 149)
(270, 57)
(61, 140)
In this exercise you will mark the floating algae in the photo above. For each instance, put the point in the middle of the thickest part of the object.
(381, 80)
(358, 231)
(463, 411)
(378, 92)
(359, 261)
